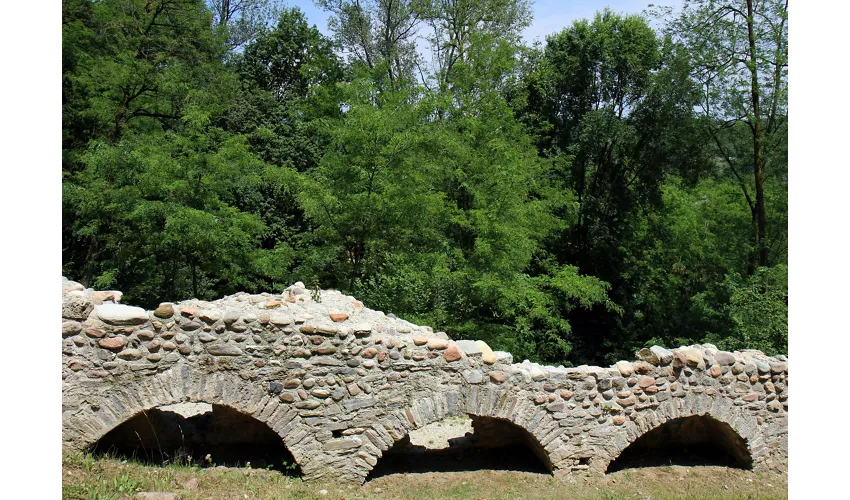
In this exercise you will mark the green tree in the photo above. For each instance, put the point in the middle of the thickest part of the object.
(759, 308)
(474, 41)
(242, 21)
(153, 178)
(612, 104)
(379, 35)
(288, 78)
(130, 63)
(739, 50)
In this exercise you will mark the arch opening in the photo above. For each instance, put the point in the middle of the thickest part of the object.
(464, 443)
(689, 441)
(197, 434)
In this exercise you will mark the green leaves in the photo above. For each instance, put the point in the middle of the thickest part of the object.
(759, 307)
(558, 202)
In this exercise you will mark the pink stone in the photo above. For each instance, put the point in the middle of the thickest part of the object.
(112, 343)
(453, 353)
(646, 382)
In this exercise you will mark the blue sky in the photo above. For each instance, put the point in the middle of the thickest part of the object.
(550, 16)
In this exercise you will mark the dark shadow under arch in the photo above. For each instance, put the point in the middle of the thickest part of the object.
(694, 440)
(160, 436)
(494, 444)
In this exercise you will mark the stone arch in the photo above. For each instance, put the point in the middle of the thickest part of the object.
(740, 424)
(492, 402)
(101, 408)
(692, 440)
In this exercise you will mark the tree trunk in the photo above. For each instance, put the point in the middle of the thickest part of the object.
(194, 270)
(758, 154)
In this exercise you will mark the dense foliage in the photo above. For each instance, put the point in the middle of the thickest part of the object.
(570, 201)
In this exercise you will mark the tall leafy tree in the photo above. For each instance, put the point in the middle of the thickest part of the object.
(241, 21)
(288, 78)
(613, 103)
(473, 40)
(138, 59)
(149, 203)
(378, 34)
(739, 50)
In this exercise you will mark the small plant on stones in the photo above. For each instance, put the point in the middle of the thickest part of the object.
(316, 292)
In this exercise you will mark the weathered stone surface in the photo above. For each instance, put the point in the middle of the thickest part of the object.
(629, 401)
(321, 393)
(487, 354)
(130, 354)
(778, 367)
(224, 349)
(469, 347)
(343, 444)
(452, 353)
(692, 356)
(210, 316)
(120, 314)
(473, 376)
(503, 357)
(642, 367)
(437, 343)
(165, 310)
(338, 317)
(645, 382)
(70, 328)
(648, 356)
(112, 342)
(724, 358)
(625, 368)
(76, 305)
(190, 326)
(665, 357)
(320, 384)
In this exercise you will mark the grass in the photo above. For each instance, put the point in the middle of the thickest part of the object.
(105, 478)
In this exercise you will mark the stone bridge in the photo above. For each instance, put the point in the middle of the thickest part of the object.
(342, 384)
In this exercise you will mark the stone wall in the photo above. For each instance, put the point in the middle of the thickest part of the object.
(341, 383)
